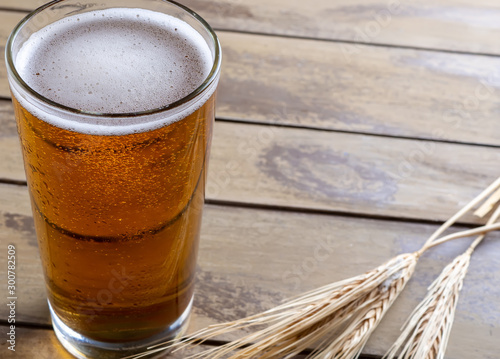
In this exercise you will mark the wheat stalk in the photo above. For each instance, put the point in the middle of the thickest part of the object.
(426, 332)
(352, 307)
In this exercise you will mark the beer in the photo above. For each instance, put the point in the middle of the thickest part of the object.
(116, 177)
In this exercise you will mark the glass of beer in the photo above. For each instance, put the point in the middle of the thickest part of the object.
(114, 102)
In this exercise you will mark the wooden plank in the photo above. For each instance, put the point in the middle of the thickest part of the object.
(26, 5)
(252, 259)
(386, 91)
(43, 344)
(8, 21)
(344, 172)
(368, 175)
(33, 343)
(455, 25)
(10, 155)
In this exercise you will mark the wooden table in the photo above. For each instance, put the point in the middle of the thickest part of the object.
(346, 131)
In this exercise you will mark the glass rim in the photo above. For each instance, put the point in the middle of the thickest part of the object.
(211, 77)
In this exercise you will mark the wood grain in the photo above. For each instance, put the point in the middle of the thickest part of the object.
(383, 91)
(328, 171)
(455, 25)
(43, 344)
(8, 20)
(461, 25)
(252, 259)
(33, 343)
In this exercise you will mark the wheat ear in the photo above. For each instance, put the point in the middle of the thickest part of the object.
(313, 317)
(426, 332)
(355, 306)
(352, 340)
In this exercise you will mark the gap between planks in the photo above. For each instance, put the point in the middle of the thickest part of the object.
(291, 209)
(352, 42)
(353, 132)
(313, 128)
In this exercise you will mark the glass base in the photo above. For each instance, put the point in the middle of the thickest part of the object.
(85, 348)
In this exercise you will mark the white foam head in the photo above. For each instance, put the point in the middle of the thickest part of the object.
(114, 61)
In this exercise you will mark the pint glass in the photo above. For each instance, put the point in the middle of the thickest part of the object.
(114, 102)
